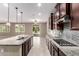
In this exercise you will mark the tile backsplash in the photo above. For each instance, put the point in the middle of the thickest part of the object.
(70, 35)
(75, 36)
(67, 34)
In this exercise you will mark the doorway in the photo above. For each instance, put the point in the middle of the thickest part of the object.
(36, 30)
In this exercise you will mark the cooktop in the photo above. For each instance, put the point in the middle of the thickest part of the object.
(62, 42)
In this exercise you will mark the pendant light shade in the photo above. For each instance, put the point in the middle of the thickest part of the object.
(21, 17)
(35, 22)
(8, 23)
(16, 15)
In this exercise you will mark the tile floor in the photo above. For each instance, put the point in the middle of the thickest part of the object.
(39, 47)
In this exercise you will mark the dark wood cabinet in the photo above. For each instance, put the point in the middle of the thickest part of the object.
(65, 13)
(52, 21)
(75, 16)
(26, 46)
(49, 20)
(61, 53)
(57, 11)
(55, 51)
(65, 10)
(60, 25)
(50, 48)
(23, 49)
(62, 10)
(69, 11)
(56, 15)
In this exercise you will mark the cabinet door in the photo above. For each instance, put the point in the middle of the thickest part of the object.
(62, 10)
(23, 49)
(75, 16)
(49, 22)
(50, 48)
(31, 41)
(26, 50)
(27, 47)
(55, 52)
(49, 45)
(61, 53)
(57, 11)
(52, 21)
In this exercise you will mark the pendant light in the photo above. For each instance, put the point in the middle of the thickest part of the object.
(16, 15)
(21, 17)
(35, 22)
(21, 22)
(8, 23)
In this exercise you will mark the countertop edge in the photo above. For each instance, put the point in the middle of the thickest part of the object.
(17, 44)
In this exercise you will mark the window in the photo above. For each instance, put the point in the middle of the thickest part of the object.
(20, 28)
(36, 28)
(4, 28)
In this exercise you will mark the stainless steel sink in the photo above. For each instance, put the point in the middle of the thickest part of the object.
(62, 42)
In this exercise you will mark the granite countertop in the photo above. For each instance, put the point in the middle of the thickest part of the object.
(67, 50)
(13, 40)
(70, 51)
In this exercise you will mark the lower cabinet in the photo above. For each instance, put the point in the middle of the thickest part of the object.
(55, 53)
(51, 49)
(61, 53)
(54, 50)
(26, 46)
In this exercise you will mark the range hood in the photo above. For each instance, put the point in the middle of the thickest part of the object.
(66, 19)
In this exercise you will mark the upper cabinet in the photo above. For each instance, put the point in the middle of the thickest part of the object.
(65, 14)
(65, 11)
(62, 10)
(75, 16)
(52, 19)
(49, 22)
(57, 12)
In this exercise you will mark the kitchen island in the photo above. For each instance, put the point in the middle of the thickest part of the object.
(16, 46)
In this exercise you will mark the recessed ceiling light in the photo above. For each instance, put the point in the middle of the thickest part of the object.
(39, 4)
(19, 14)
(39, 14)
(5, 4)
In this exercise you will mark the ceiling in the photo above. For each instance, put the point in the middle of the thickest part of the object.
(31, 11)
